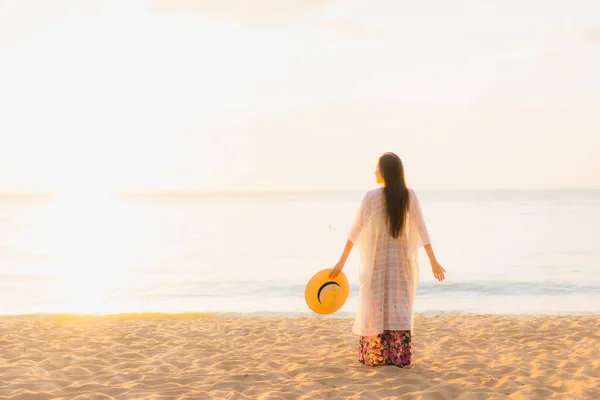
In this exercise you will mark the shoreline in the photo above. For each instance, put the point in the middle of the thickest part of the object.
(261, 315)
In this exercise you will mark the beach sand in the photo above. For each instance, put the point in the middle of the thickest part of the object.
(196, 357)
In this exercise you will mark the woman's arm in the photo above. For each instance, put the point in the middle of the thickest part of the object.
(416, 215)
(346, 252)
(340, 265)
(430, 254)
(436, 268)
(353, 236)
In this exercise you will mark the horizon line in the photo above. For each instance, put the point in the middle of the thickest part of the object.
(173, 192)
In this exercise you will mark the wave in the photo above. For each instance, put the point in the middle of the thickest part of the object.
(507, 288)
(283, 289)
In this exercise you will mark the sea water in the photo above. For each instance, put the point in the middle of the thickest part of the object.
(505, 252)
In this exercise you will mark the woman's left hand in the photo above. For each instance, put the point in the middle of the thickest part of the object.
(336, 270)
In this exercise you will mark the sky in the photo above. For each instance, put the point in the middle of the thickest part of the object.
(296, 95)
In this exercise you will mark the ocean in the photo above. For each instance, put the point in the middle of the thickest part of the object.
(505, 252)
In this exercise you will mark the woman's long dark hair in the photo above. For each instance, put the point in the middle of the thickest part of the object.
(396, 192)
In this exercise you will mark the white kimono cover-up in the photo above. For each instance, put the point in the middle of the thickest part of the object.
(389, 270)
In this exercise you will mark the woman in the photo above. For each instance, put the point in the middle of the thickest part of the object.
(388, 230)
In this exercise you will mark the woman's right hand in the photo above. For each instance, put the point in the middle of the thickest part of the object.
(438, 271)
(336, 270)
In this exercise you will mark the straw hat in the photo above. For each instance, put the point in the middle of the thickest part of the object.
(324, 295)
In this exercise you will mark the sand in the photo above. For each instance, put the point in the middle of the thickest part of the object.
(196, 357)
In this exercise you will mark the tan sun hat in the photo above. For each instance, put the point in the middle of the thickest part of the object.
(325, 295)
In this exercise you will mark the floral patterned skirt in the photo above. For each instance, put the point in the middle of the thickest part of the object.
(387, 348)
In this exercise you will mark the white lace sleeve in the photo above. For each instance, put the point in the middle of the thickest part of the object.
(359, 221)
(417, 220)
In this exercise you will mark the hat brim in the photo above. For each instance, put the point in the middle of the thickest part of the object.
(320, 281)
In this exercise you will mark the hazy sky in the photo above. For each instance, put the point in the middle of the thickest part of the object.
(131, 95)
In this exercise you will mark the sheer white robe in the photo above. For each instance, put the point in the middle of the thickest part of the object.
(389, 270)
